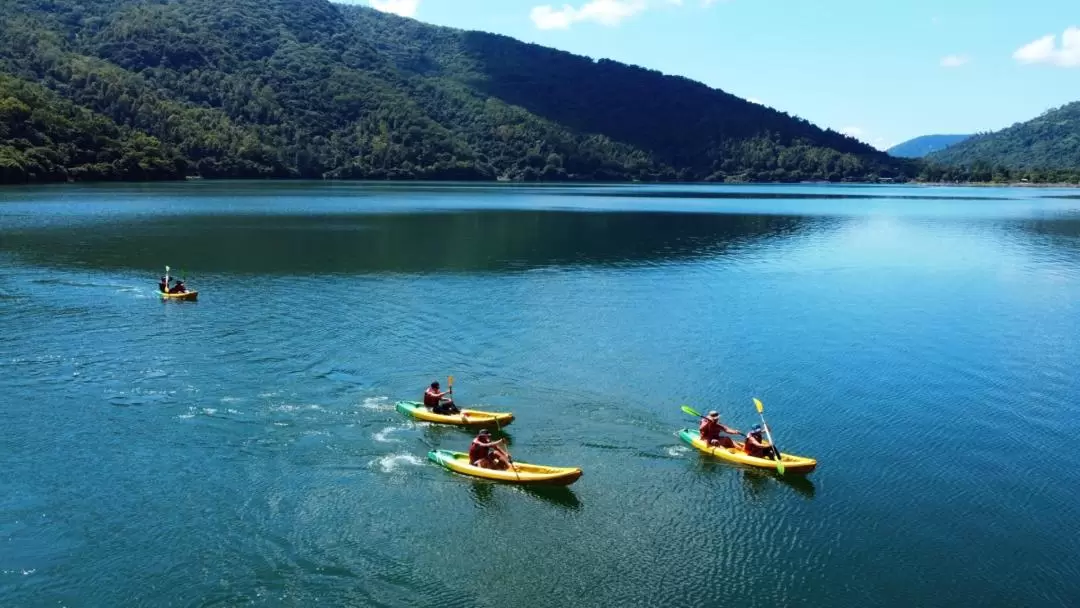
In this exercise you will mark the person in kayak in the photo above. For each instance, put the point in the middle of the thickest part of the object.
(163, 285)
(485, 453)
(756, 447)
(178, 288)
(434, 401)
(712, 431)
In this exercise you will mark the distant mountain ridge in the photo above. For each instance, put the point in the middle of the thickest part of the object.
(162, 89)
(925, 144)
(1050, 141)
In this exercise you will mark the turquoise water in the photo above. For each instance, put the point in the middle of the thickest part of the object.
(921, 343)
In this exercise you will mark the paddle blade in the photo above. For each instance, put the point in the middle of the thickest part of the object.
(757, 404)
(166, 269)
(779, 466)
(450, 381)
(689, 410)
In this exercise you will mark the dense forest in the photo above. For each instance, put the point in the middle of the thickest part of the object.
(158, 89)
(1050, 142)
(924, 145)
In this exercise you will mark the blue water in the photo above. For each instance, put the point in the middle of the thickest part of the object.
(243, 449)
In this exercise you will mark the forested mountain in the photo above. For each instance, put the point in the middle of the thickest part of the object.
(923, 145)
(148, 89)
(1049, 142)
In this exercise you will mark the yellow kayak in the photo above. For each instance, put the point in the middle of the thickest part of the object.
(522, 473)
(792, 463)
(187, 296)
(469, 418)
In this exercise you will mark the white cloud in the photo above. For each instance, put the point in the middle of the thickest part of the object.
(1046, 50)
(955, 61)
(604, 12)
(860, 134)
(405, 8)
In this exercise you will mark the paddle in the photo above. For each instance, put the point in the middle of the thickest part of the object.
(166, 279)
(450, 383)
(776, 450)
(692, 411)
(510, 460)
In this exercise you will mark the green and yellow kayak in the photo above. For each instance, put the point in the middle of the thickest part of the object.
(792, 464)
(521, 473)
(187, 296)
(467, 418)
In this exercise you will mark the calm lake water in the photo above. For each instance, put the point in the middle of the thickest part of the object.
(921, 343)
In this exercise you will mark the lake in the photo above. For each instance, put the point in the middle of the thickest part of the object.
(920, 342)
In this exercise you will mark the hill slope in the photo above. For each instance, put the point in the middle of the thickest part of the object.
(925, 144)
(1051, 141)
(305, 88)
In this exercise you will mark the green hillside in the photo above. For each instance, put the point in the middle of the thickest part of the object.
(924, 145)
(1049, 142)
(134, 89)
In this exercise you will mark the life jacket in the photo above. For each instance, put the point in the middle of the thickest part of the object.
(430, 398)
(751, 450)
(477, 451)
(708, 429)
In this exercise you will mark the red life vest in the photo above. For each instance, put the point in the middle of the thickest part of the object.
(430, 398)
(477, 451)
(709, 430)
(751, 450)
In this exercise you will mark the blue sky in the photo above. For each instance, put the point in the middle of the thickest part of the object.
(881, 70)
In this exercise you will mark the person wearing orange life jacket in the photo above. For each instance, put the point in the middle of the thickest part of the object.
(485, 453)
(712, 431)
(756, 447)
(434, 401)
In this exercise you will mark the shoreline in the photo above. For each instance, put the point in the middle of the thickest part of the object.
(189, 179)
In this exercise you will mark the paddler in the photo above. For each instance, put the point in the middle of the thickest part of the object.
(485, 453)
(434, 400)
(178, 288)
(756, 447)
(712, 431)
(163, 285)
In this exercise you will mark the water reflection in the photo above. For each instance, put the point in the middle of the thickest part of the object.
(462, 241)
(483, 493)
(758, 483)
(560, 496)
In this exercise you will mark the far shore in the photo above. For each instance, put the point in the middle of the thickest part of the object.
(569, 182)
